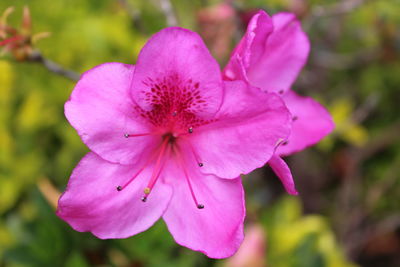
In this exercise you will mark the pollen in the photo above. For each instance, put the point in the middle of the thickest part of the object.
(147, 190)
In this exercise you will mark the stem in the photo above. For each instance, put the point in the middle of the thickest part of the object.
(37, 57)
(339, 8)
(168, 11)
(134, 15)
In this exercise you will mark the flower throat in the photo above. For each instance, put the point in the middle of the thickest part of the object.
(173, 106)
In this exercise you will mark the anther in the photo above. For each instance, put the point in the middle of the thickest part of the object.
(144, 199)
(200, 206)
(280, 91)
(201, 164)
(119, 188)
(174, 113)
(295, 118)
(146, 190)
(126, 135)
(190, 130)
(285, 143)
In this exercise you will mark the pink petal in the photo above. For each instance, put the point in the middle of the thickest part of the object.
(285, 53)
(244, 137)
(282, 170)
(312, 122)
(217, 229)
(179, 57)
(92, 203)
(250, 48)
(270, 60)
(101, 110)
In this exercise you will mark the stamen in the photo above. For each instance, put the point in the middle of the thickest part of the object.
(196, 156)
(120, 188)
(126, 135)
(180, 160)
(174, 113)
(190, 130)
(295, 118)
(157, 168)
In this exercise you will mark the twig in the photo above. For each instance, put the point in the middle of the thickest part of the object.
(340, 8)
(50, 193)
(383, 186)
(362, 112)
(336, 61)
(169, 13)
(134, 14)
(350, 201)
(366, 233)
(37, 57)
(385, 139)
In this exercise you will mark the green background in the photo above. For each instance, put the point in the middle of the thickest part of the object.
(348, 211)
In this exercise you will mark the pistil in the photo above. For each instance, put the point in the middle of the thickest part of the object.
(158, 167)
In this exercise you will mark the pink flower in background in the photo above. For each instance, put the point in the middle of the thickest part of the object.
(169, 138)
(252, 252)
(270, 56)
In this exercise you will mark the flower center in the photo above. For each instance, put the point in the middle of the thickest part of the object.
(174, 103)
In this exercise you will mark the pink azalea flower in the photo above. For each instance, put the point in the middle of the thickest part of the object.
(169, 138)
(270, 56)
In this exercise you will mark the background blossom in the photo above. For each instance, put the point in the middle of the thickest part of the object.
(270, 57)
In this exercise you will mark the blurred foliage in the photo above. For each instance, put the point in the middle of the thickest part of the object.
(349, 182)
(308, 239)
